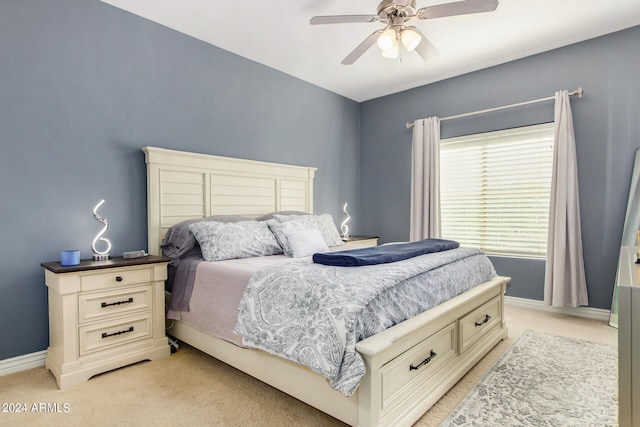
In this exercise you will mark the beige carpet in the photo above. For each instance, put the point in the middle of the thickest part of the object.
(192, 389)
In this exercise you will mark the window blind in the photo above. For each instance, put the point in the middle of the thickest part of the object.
(495, 189)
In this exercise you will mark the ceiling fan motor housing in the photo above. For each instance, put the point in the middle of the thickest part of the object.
(389, 9)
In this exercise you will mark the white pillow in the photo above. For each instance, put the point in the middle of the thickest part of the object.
(306, 242)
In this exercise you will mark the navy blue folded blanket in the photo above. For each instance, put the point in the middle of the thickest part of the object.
(383, 254)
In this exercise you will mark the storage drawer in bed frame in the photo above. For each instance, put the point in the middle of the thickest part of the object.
(421, 362)
(427, 362)
(476, 324)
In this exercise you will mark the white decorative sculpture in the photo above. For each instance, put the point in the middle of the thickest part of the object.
(100, 255)
(343, 226)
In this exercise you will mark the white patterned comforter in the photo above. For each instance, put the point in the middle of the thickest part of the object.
(314, 314)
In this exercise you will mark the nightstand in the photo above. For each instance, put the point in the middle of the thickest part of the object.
(355, 242)
(104, 315)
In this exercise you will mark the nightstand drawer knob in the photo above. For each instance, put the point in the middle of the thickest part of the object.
(106, 335)
(118, 278)
(104, 304)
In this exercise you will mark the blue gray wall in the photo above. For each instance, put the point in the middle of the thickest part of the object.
(607, 126)
(83, 87)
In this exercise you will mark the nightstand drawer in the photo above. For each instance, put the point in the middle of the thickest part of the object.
(96, 306)
(113, 278)
(111, 334)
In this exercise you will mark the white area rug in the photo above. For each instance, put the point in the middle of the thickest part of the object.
(545, 380)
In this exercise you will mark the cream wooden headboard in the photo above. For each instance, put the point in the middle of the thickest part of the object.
(183, 185)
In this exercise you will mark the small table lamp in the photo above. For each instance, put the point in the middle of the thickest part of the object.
(100, 255)
(343, 227)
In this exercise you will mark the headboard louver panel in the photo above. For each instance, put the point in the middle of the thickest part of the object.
(292, 195)
(233, 195)
(183, 185)
(182, 197)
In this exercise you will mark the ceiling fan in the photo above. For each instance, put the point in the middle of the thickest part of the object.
(395, 14)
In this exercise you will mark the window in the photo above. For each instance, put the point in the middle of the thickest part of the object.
(495, 190)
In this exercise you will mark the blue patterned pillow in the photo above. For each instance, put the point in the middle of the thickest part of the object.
(219, 241)
(179, 241)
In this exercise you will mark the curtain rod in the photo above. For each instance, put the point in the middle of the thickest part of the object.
(578, 92)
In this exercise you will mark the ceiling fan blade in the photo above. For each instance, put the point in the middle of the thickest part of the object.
(425, 49)
(457, 8)
(342, 19)
(362, 48)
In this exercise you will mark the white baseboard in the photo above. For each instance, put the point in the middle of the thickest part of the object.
(589, 312)
(22, 363)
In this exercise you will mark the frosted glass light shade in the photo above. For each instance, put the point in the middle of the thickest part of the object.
(392, 52)
(410, 39)
(387, 39)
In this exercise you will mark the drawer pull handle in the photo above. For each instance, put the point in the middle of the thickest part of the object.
(106, 335)
(485, 320)
(104, 304)
(432, 354)
(118, 278)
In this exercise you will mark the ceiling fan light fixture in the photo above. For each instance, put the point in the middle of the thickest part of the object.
(410, 39)
(387, 39)
(392, 52)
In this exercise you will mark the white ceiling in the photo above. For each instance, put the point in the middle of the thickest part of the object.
(278, 34)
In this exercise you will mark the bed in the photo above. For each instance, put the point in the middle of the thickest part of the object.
(409, 366)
